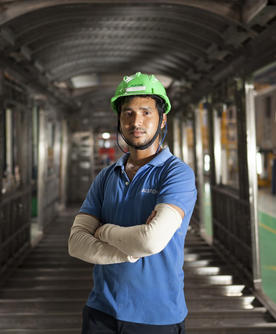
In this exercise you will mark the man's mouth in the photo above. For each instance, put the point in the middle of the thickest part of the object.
(137, 133)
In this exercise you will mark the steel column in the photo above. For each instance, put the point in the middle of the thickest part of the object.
(195, 143)
(2, 126)
(217, 145)
(252, 176)
(211, 141)
(64, 163)
(199, 159)
(42, 167)
(242, 139)
(176, 139)
(184, 136)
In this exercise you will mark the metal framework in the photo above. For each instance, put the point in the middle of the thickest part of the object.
(15, 206)
(197, 43)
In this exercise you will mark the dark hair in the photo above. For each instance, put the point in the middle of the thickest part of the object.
(159, 102)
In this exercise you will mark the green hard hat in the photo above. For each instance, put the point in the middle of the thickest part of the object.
(140, 84)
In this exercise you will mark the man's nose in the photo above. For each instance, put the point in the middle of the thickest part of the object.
(137, 120)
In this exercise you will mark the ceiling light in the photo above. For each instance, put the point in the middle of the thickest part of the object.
(87, 80)
(106, 135)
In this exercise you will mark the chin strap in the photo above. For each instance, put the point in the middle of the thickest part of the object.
(117, 138)
(143, 147)
(164, 135)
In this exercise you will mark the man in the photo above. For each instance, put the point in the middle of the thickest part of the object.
(133, 223)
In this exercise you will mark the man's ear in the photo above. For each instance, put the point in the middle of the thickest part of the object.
(164, 121)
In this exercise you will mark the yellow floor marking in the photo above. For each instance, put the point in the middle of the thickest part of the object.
(270, 229)
(270, 267)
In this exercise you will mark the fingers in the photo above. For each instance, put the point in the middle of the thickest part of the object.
(96, 234)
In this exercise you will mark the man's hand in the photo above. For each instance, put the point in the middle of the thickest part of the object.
(97, 232)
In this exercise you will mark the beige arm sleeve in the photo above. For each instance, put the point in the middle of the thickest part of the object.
(84, 246)
(146, 239)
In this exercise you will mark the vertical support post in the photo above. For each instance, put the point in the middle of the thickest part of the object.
(42, 168)
(26, 161)
(169, 136)
(29, 149)
(185, 149)
(195, 143)
(176, 139)
(1, 129)
(92, 153)
(242, 129)
(242, 139)
(252, 178)
(199, 159)
(26, 143)
(213, 162)
(29, 139)
(211, 144)
(217, 146)
(64, 163)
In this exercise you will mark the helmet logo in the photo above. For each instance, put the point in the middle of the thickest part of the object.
(135, 89)
(127, 79)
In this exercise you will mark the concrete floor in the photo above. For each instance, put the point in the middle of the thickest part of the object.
(47, 292)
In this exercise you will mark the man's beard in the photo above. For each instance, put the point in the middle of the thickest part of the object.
(138, 146)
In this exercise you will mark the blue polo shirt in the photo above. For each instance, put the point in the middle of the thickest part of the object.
(149, 291)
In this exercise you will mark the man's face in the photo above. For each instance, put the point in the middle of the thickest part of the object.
(139, 120)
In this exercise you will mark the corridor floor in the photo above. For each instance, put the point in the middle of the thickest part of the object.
(47, 292)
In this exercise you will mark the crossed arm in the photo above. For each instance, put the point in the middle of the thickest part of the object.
(106, 244)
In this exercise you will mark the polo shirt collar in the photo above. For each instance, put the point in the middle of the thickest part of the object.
(161, 157)
(164, 155)
(122, 160)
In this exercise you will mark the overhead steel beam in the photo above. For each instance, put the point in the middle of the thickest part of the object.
(19, 52)
(252, 8)
(123, 68)
(243, 63)
(32, 82)
(262, 18)
(197, 48)
(99, 16)
(112, 57)
(227, 9)
(250, 58)
(72, 54)
(130, 69)
(196, 54)
(190, 31)
(49, 55)
(31, 72)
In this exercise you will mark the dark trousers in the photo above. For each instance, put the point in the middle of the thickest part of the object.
(96, 322)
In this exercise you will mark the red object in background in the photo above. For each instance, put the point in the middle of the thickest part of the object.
(110, 152)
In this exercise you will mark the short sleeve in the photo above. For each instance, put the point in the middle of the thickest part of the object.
(178, 187)
(94, 198)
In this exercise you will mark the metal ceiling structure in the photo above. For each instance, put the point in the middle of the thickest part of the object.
(194, 43)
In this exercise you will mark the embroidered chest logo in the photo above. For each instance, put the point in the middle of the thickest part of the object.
(149, 191)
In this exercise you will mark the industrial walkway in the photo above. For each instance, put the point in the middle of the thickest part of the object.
(47, 292)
